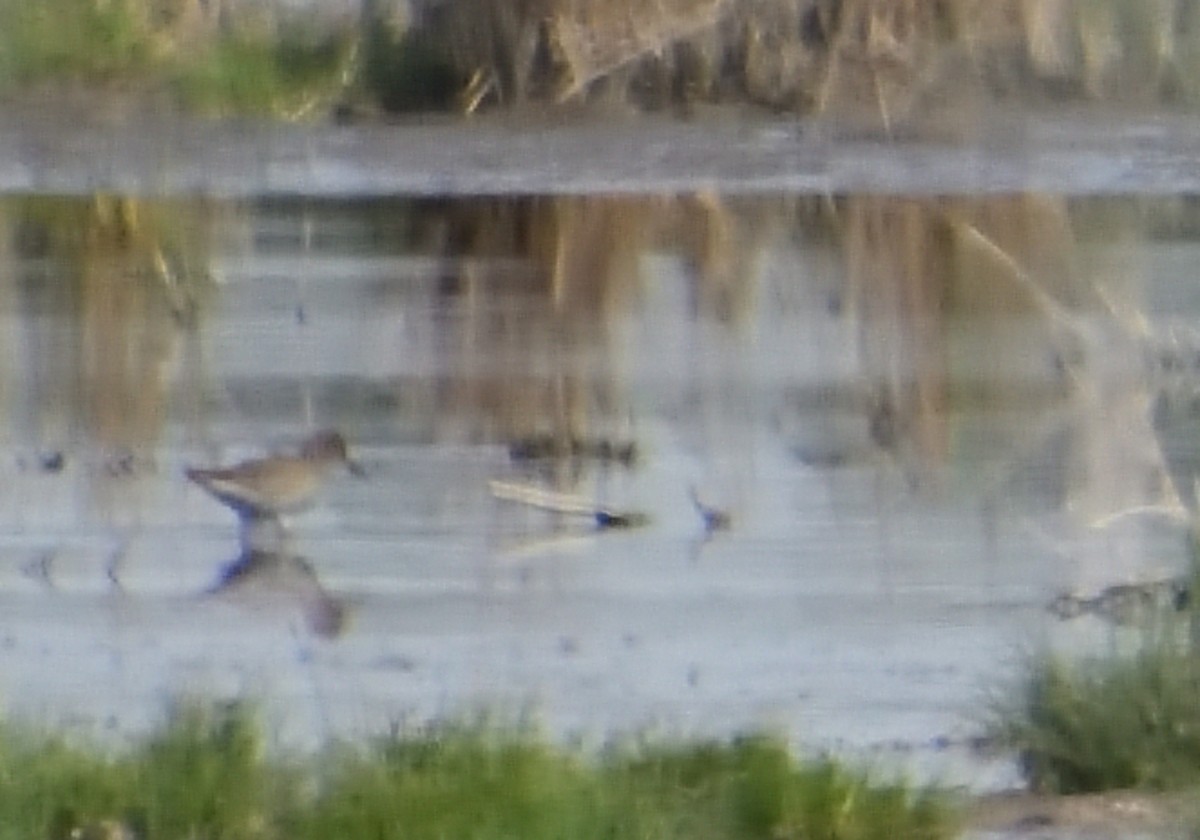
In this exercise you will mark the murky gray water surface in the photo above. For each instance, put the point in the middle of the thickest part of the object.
(927, 410)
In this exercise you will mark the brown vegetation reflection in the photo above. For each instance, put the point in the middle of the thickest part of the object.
(914, 266)
(898, 275)
(108, 288)
(962, 304)
(538, 285)
(951, 317)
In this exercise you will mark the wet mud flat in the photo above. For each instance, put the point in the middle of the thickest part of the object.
(1094, 816)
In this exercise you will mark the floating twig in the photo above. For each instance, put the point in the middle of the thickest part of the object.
(564, 503)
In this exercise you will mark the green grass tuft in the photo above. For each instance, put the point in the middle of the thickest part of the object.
(202, 775)
(105, 44)
(287, 76)
(1121, 722)
(1126, 720)
(205, 774)
(71, 39)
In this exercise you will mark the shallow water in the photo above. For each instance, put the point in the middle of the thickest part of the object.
(926, 415)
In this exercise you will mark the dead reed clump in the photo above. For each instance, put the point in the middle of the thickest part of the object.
(893, 61)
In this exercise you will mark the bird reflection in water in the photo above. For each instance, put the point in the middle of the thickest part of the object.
(261, 576)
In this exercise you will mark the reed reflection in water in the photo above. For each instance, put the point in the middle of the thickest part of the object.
(100, 296)
(878, 398)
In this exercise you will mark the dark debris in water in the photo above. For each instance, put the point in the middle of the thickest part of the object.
(1125, 603)
(612, 519)
(553, 447)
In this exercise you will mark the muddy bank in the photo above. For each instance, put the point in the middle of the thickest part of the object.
(1120, 814)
